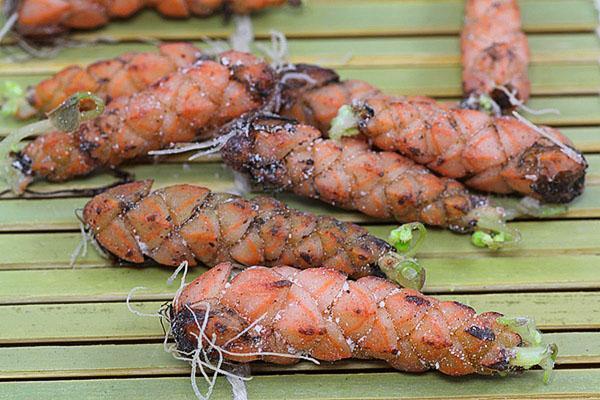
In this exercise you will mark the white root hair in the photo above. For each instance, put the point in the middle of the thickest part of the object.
(301, 76)
(564, 148)
(86, 237)
(82, 247)
(202, 359)
(182, 267)
(133, 310)
(520, 104)
(206, 148)
(241, 184)
(277, 51)
(243, 36)
(8, 25)
(238, 386)
(247, 329)
(208, 363)
(212, 146)
(289, 73)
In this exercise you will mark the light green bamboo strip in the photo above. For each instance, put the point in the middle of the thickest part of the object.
(446, 81)
(348, 18)
(79, 322)
(443, 275)
(585, 139)
(149, 359)
(342, 52)
(571, 384)
(539, 239)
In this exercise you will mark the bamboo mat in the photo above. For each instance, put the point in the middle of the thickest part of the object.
(66, 333)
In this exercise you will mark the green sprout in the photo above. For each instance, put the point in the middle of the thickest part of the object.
(493, 241)
(403, 239)
(544, 356)
(66, 117)
(491, 230)
(345, 123)
(525, 327)
(486, 103)
(400, 266)
(405, 271)
(534, 352)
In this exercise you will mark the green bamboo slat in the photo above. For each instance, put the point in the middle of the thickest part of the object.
(550, 238)
(149, 359)
(586, 139)
(79, 285)
(217, 175)
(446, 81)
(342, 52)
(352, 18)
(81, 322)
(581, 110)
(370, 386)
(443, 275)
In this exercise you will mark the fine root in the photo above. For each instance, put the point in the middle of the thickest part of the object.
(564, 148)
(519, 104)
(277, 52)
(86, 237)
(208, 147)
(243, 36)
(8, 25)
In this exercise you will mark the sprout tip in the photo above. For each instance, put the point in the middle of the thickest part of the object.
(405, 271)
(534, 352)
(400, 266)
(491, 229)
(544, 356)
(345, 123)
(405, 241)
(66, 117)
